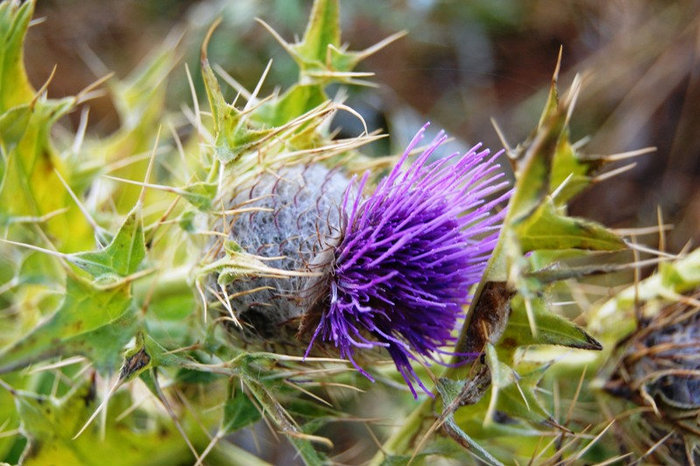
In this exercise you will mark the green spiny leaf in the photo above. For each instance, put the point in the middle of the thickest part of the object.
(50, 425)
(13, 124)
(570, 163)
(30, 185)
(200, 194)
(320, 56)
(546, 228)
(543, 258)
(122, 257)
(217, 103)
(552, 105)
(322, 31)
(520, 401)
(239, 412)
(92, 322)
(233, 131)
(551, 328)
(296, 101)
(534, 171)
(502, 376)
(139, 98)
(14, 84)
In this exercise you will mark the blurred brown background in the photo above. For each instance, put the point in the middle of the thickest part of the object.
(461, 64)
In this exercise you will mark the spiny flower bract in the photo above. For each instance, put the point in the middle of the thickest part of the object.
(401, 274)
(289, 217)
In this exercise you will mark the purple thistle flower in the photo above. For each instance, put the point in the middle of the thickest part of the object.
(400, 275)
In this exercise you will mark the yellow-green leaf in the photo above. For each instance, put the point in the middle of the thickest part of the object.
(121, 257)
(50, 425)
(14, 84)
(546, 228)
(239, 412)
(322, 31)
(92, 322)
(551, 328)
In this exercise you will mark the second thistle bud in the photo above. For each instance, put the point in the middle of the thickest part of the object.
(660, 370)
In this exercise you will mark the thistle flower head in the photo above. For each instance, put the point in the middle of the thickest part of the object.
(400, 276)
(390, 270)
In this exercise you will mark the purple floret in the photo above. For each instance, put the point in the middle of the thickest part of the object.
(410, 252)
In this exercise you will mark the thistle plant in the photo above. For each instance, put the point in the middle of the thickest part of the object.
(198, 274)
